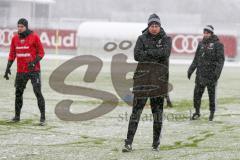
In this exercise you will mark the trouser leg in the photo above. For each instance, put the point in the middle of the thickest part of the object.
(20, 85)
(36, 82)
(138, 105)
(212, 96)
(40, 100)
(198, 92)
(157, 111)
(18, 100)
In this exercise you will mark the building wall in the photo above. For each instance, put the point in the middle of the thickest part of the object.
(138, 10)
(70, 13)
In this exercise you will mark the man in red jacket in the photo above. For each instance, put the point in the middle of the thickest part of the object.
(26, 47)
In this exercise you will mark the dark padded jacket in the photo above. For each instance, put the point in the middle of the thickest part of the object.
(155, 50)
(208, 61)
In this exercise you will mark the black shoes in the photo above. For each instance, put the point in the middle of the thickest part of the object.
(155, 148)
(211, 116)
(42, 121)
(15, 119)
(155, 145)
(127, 148)
(195, 116)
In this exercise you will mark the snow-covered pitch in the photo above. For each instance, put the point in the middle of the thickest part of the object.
(102, 138)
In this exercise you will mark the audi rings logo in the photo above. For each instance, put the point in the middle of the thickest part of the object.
(185, 43)
(6, 36)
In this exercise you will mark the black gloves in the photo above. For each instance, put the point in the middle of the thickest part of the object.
(8, 71)
(31, 65)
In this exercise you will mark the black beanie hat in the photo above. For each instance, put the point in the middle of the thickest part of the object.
(153, 18)
(209, 29)
(24, 22)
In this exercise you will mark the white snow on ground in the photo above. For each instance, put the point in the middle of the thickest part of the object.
(102, 138)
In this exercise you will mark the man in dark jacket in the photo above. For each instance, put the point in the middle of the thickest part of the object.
(209, 61)
(152, 51)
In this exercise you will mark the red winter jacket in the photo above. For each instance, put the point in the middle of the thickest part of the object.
(26, 50)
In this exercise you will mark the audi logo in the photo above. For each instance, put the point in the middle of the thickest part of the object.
(185, 43)
(180, 44)
(6, 36)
